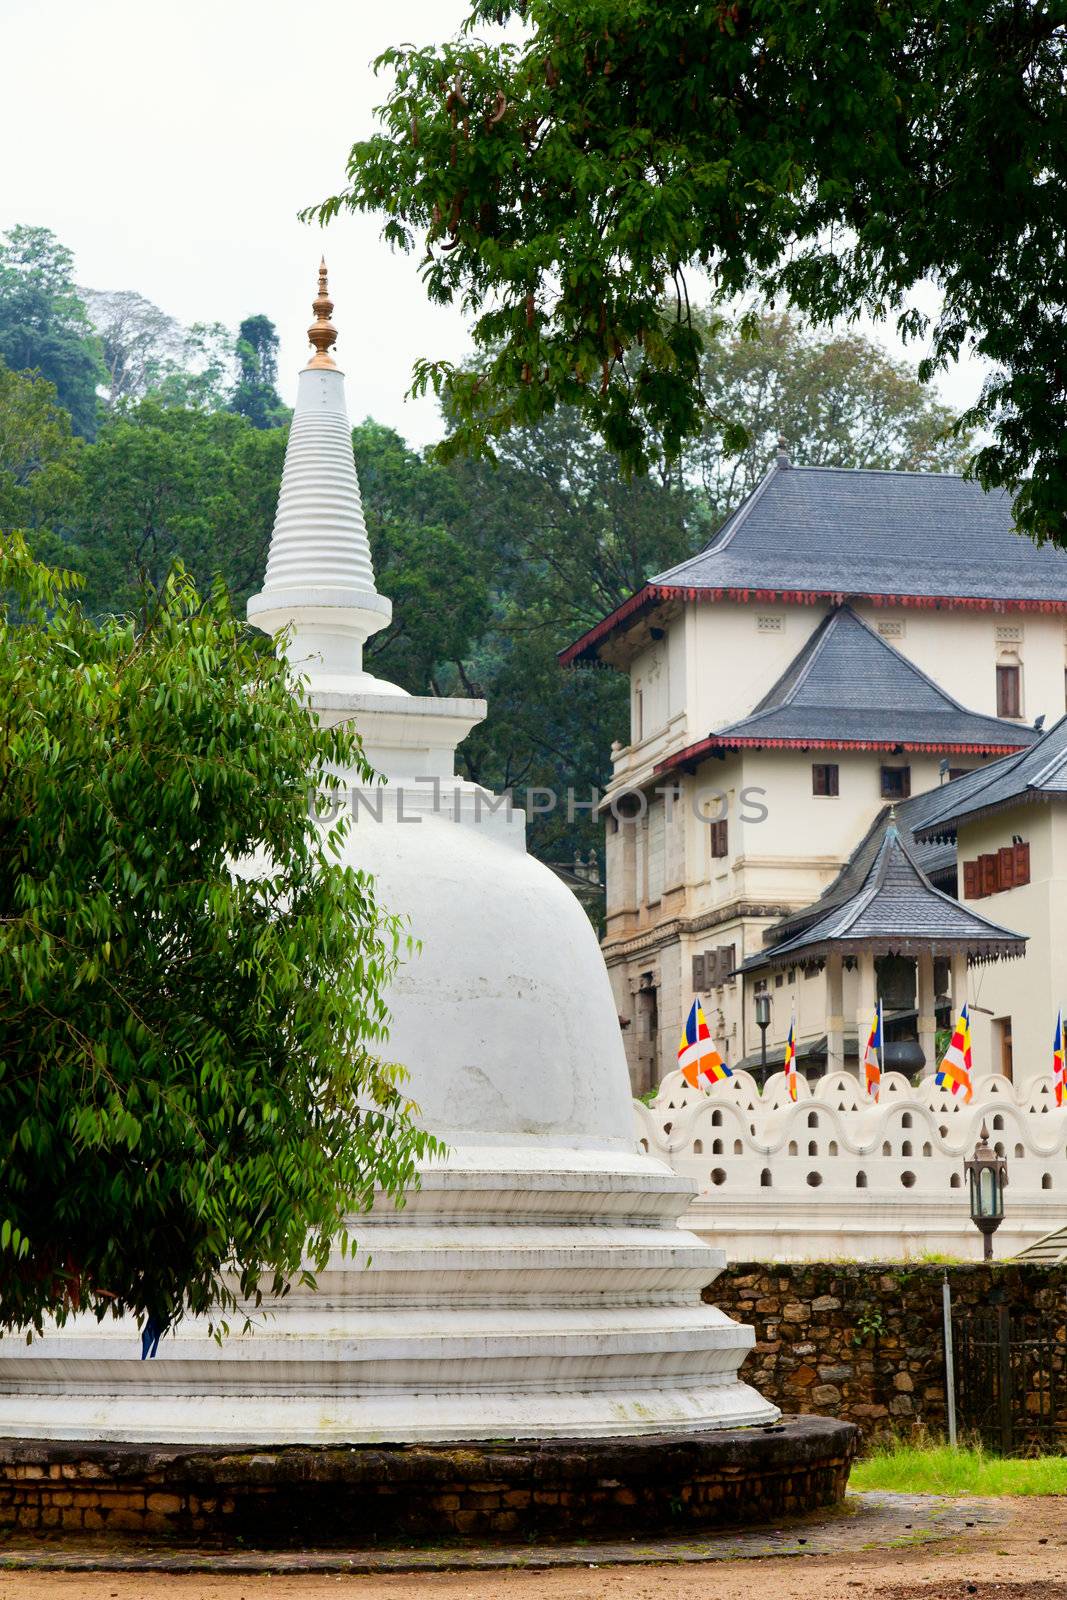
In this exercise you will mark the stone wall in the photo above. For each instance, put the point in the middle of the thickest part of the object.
(862, 1341)
(270, 1498)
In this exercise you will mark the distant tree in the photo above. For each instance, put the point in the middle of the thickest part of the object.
(44, 326)
(255, 393)
(35, 441)
(162, 484)
(837, 399)
(204, 374)
(141, 344)
(425, 558)
(192, 1100)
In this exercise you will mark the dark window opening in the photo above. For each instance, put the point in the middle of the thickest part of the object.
(824, 777)
(896, 783)
(719, 838)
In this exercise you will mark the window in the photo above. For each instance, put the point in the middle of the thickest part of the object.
(896, 783)
(1007, 868)
(1009, 691)
(718, 838)
(639, 716)
(824, 775)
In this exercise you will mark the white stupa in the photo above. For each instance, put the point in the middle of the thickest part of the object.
(538, 1283)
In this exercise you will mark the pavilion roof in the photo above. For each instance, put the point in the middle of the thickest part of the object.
(895, 910)
(1034, 774)
(825, 533)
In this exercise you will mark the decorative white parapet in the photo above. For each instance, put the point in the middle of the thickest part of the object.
(835, 1175)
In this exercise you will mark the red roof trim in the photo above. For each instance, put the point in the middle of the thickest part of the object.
(654, 593)
(695, 752)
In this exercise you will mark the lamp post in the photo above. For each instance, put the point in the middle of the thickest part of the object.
(988, 1174)
(763, 1022)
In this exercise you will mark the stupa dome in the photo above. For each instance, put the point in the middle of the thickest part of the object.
(537, 1282)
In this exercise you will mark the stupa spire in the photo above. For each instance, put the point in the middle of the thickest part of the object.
(319, 583)
(322, 333)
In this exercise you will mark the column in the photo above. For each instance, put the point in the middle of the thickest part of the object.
(927, 1019)
(835, 1013)
(867, 998)
(959, 981)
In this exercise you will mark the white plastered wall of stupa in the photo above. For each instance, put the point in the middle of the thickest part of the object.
(537, 1283)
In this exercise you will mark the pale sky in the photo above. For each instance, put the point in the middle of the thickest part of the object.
(170, 146)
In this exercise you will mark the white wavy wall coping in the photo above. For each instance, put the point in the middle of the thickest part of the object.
(736, 1144)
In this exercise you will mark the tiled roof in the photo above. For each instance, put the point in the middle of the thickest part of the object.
(895, 909)
(909, 538)
(830, 530)
(1039, 771)
(848, 685)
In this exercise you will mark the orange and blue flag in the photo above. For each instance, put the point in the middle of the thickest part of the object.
(697, 1056)
(954, 1073)
(1059, 1060)
(874, 1055)
(789, 1066)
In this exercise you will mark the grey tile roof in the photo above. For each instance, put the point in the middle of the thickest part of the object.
(1039, 771)
(829, 530)
(895, 908)
(848, 684)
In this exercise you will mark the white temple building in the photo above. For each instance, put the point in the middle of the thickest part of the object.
(538, 1283)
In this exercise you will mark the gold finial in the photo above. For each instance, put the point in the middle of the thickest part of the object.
(322, 332)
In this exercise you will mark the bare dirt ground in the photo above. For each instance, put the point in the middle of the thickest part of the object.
(1024, 1559)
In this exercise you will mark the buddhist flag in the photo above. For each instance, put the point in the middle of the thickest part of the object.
(954, 1073)
(1059, 1060)
(874, 1054)
(697, 1056)
(789, 1066)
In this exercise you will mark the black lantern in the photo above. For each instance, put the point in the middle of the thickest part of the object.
(988, 1174)
(763, 1022)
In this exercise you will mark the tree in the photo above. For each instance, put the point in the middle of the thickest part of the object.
(425, 559)
(141, 344)
(837, 155)
(204, 376)
(35, 439)
(190, 1084)
(162, 484)
(837, 400)
(255, 394)
(43, 322)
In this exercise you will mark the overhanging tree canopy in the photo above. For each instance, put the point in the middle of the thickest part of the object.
(836, 154)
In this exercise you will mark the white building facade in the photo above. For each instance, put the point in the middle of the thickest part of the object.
(762, 751)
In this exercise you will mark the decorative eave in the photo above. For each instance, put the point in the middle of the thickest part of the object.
(945, 832)
(978, 951)
(583, 651)
(693, 754)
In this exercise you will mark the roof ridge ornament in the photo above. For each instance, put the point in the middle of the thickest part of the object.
(322, 333)
(782, 458)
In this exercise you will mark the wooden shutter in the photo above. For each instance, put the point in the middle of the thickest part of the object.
(711, 967)
(1006, 867)
(1022, 864)
(727, 961)
(718, 838)
(971, 881)
(988, 867)
(698, 975)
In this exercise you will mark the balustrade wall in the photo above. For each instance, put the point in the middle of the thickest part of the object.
(836, 1176)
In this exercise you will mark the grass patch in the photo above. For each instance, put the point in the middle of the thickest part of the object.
(938, 1469)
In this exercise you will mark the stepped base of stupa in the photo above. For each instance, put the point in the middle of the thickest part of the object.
(352, 1497)
(522, 1292)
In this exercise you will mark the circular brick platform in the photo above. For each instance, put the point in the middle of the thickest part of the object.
(334, 1495)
